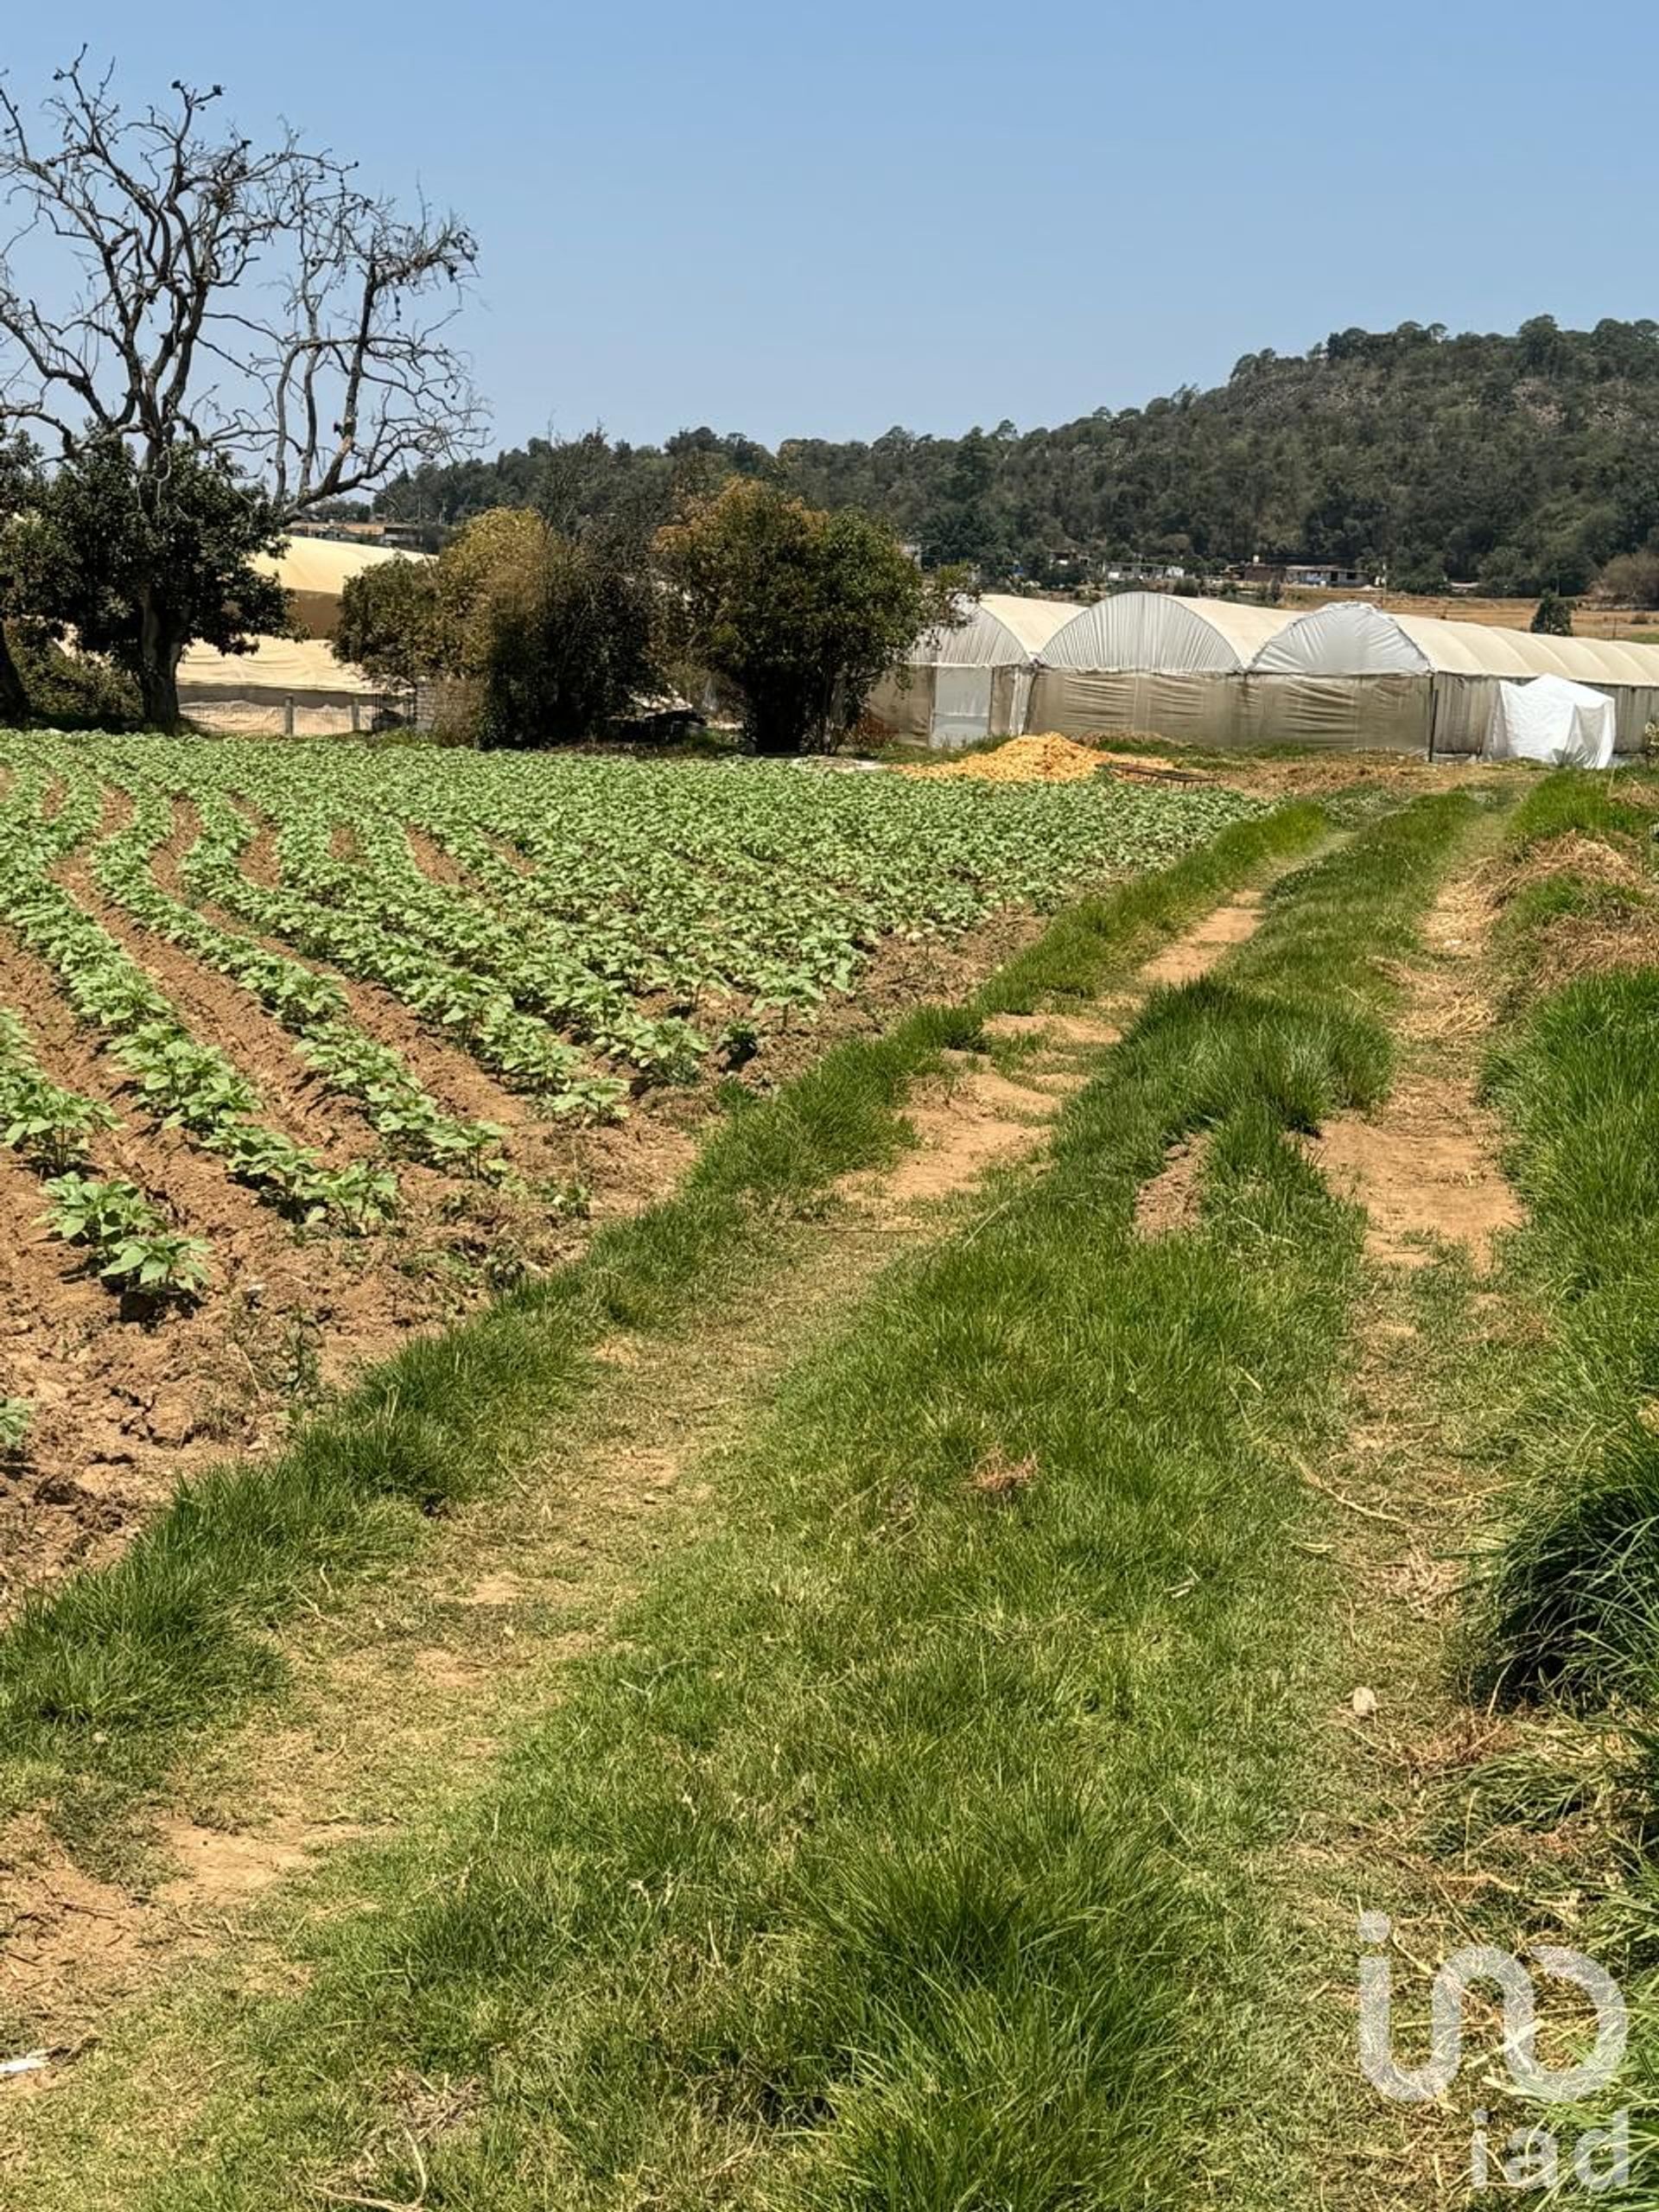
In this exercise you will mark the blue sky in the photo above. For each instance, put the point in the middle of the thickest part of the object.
(821, 222)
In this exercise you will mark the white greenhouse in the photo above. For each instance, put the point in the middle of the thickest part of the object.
(1356, 675)
(1144, 660)
(1220, 672)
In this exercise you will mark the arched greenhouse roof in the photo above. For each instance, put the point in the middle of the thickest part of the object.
(1001, 631)
(1154, 633)
(1350, 637)
(322, 567)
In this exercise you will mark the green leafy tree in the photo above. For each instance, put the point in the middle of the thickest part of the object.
(962, 523)
(1553, 617)
(796, 610)
(140, 561)
(1631, 579)
(388, 622)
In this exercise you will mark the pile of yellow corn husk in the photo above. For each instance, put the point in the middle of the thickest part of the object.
(1049, 759)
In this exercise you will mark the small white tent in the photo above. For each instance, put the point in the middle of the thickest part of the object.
(1550, 719)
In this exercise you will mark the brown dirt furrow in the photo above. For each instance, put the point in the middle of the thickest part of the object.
(260, 860)
(973, 1118)
(448, 1073)
(126, 1405)
(218, 1012)
(1425, 1165)
(622, 1167)
(1169, 1204)
(115, 811)
(964, 1124)
(1197, 952)
(432, 860)
(123, 1406)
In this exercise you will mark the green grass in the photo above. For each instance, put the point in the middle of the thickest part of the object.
(1572, 1599)
(1570, 1602)
(1565, 1611)
(897, 1853)
(101, 1678)
(1575, 800)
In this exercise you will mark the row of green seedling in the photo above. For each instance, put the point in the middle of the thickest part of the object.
(314, 1009)
(129, 1239)
(184, 1084)
(467, 1009)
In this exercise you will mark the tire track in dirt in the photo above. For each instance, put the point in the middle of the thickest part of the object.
(973, 1117)
(1423, 1164)
(1393, 1740)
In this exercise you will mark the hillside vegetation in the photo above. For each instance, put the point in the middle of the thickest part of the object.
(1518, 462)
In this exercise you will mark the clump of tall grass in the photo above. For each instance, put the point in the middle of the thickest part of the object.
(1575, 801)
(1570, 1602)
(1573, 1597)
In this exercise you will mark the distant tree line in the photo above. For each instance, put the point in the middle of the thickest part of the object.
(1522, 464)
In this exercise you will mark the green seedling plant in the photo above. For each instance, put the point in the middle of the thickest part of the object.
(129, 1240)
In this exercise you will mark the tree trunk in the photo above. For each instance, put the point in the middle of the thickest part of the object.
(158, 689)
(14, 700)
(158, 668)
(776, 725)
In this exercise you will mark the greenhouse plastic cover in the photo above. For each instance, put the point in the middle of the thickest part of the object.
(322, 567)
(1001, 631)
(1165, 636)
(1549, 718)
(286, 667)
(1352, 638)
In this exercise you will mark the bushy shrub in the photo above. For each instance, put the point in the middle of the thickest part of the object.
(534, 639)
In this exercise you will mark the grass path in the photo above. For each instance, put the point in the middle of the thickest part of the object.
(397, 1703)
(891, 1846)
(1389, 1728)
(1465, 1820)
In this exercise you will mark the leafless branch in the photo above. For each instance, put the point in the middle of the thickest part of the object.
(256, 304)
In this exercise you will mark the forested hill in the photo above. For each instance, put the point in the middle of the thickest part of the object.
(1516, 462)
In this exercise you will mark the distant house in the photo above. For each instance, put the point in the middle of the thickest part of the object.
(1142, 572)
(1310, 576)
(394, 536)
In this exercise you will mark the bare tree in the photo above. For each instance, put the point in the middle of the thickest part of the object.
(257, 308)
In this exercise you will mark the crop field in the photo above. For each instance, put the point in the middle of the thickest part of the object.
(302, 1048)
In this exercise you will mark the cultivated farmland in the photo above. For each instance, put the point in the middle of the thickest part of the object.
(303, 1049)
